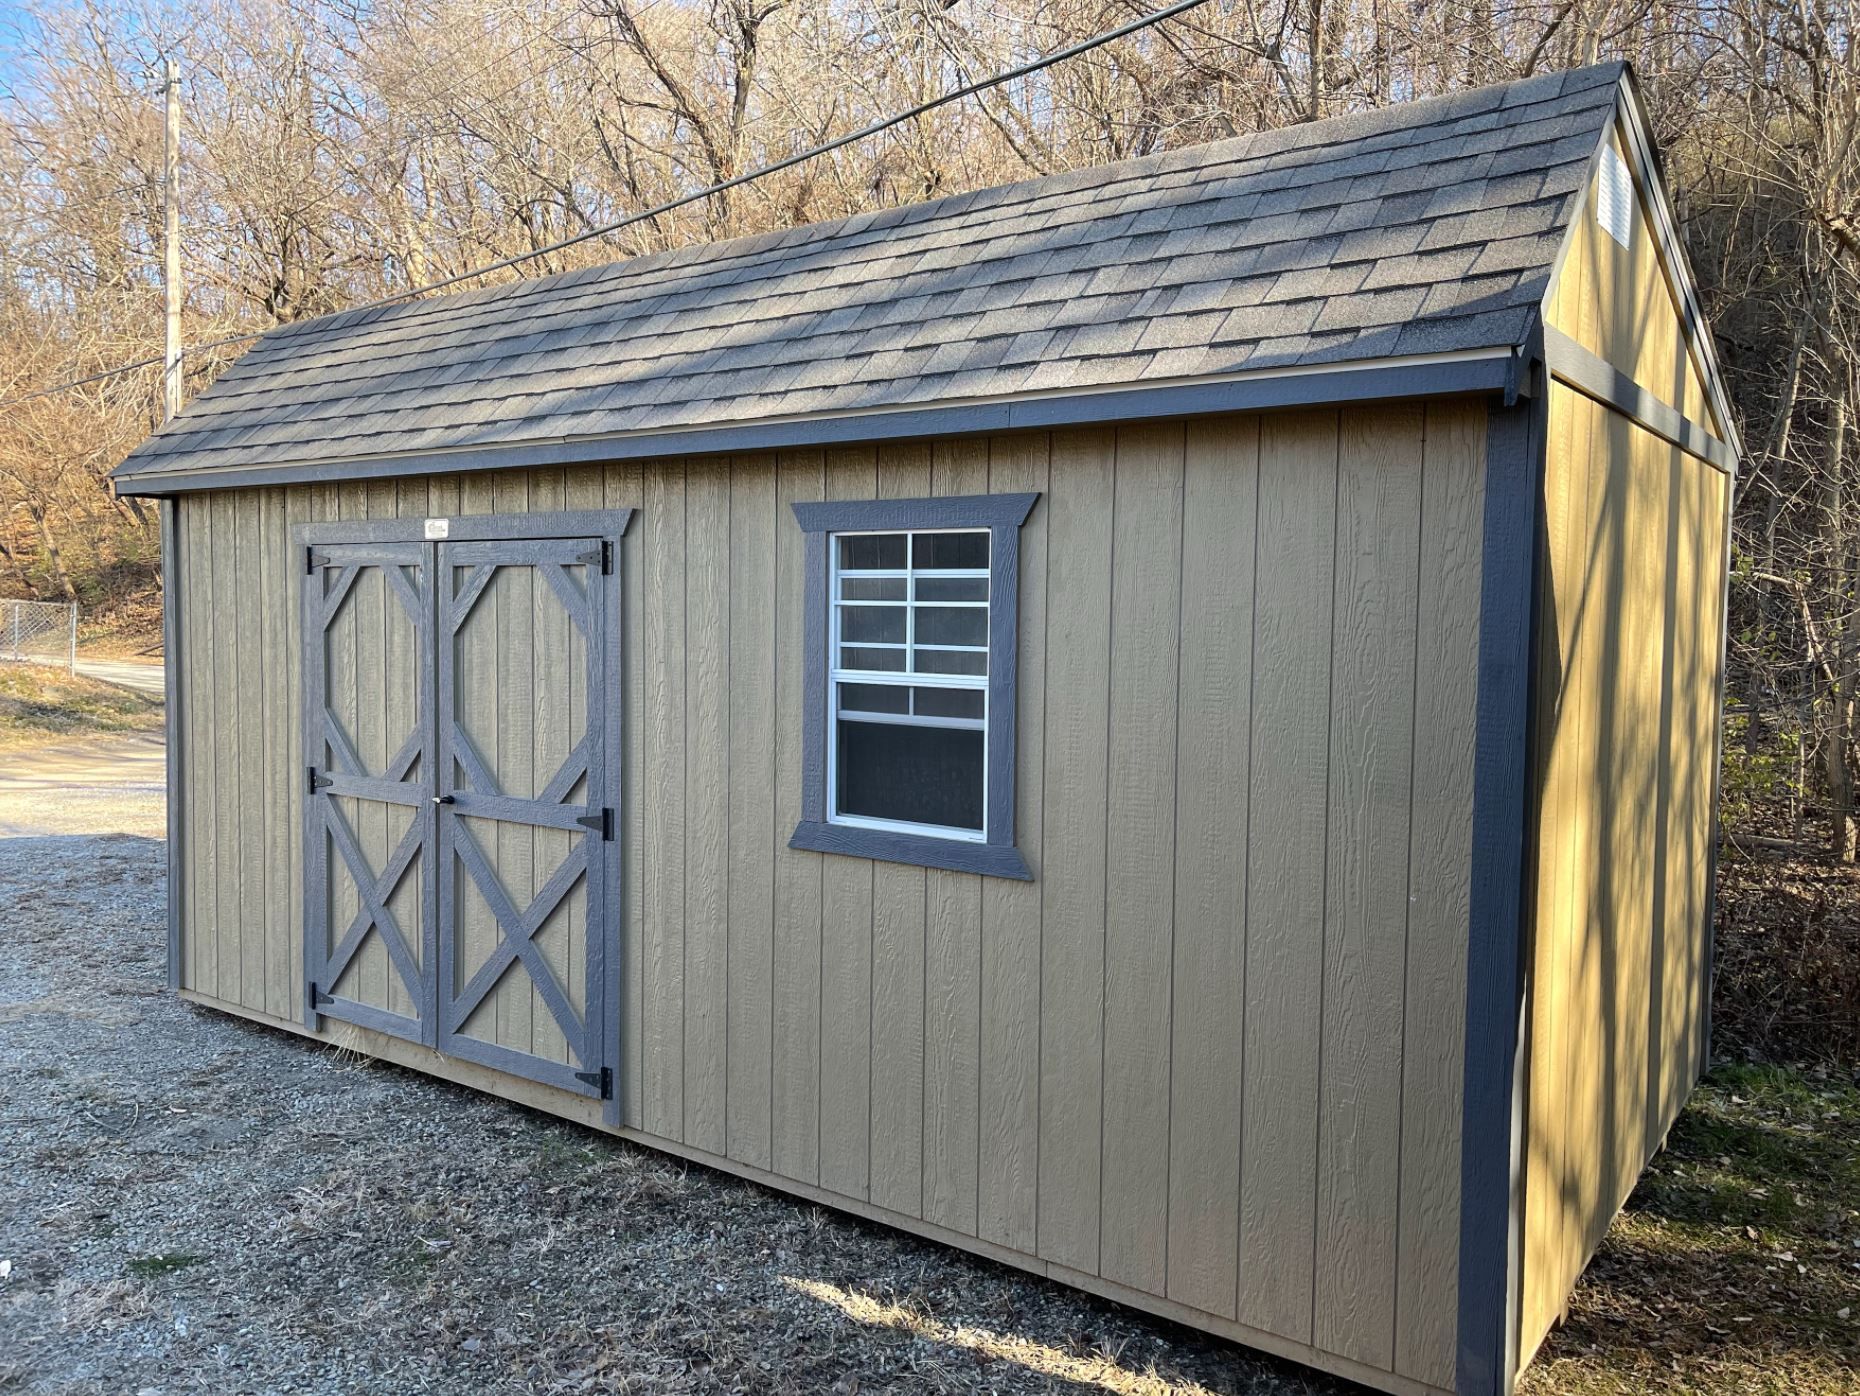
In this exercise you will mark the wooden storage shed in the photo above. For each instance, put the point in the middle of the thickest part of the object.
(1156, 724)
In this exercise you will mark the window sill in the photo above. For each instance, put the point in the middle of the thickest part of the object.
(884, 845)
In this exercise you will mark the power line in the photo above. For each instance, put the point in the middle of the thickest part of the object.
(723, 186)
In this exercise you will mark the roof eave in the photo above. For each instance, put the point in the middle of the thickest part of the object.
(1490, 370)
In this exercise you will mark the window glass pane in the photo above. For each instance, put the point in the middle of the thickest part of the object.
(873, 588)
(883, 623)
(921, 775)
(949, 702)
(939, 550)
(872, 550)
(864, 657)
(875, 698)
(952, 588)
(948, 625)
(930, 661)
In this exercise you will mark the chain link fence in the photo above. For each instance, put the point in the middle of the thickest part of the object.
(39, 632)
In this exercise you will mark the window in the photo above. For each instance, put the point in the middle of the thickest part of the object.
(908, 751)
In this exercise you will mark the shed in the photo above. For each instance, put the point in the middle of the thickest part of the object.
(1157, 724)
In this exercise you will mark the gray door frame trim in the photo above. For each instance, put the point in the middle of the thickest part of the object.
(1472, 371)
(172, 725)
(1002, 515)
(1492, 1119)
(608, 526)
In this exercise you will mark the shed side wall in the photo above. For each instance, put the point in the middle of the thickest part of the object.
(1630, 644)
(1212, 1053)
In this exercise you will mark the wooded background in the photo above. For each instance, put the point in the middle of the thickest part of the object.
(336, 150)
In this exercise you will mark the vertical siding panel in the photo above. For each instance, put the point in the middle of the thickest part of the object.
(846, 954)
(624, 487)
(1009, 1074)
(1666, 926)
(202, 695)
(795, 1087)
(898, 921)
(707, 782)
(1367, 892)
(1433, 1032)
(1146, 617)
(952, 975)
(228, 591)
(1078, 627)
(662, 800)
(256, 892)
(1220, 498)
(290, 758)
(752, 813)
(1285, 918)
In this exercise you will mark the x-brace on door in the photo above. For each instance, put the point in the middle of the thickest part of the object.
(460, 711)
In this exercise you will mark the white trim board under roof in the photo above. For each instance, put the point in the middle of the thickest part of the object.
(1402, 252)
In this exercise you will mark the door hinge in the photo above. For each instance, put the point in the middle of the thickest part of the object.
(602, 822)
(318, 998)
(602, 1080)
(317, 781)
(314, 560)
(602, 554)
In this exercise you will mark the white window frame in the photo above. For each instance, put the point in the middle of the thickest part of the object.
(909, 677)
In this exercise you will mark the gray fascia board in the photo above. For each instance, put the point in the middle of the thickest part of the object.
(1379, 382)
(1641, 151)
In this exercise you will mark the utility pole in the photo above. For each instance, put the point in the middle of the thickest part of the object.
(171, 244)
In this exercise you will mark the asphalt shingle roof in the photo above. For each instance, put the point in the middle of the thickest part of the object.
(1421, 228)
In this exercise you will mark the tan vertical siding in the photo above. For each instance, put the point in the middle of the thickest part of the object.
(1628, 668)
(1618, 302)
(1211, 1052)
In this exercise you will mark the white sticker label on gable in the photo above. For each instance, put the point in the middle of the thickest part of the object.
(1614, 196)
(438, 528)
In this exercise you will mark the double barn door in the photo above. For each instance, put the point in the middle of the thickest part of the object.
(459, 855)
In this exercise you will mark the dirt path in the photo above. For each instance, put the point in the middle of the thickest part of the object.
(190, 1203)
(114, 786)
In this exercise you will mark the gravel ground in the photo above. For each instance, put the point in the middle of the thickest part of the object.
(192, 1203)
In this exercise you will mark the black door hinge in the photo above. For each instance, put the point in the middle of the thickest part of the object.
(318, 998)
(312, 561)
(317, 781)
(603, 822)
(602, 1080)
(607, 558)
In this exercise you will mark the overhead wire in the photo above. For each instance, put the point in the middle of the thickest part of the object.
(878, 127)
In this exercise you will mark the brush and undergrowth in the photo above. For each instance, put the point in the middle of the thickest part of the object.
(40, 705)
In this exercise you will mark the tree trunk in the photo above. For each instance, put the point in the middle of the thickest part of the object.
(52, 554)
(1839, 747)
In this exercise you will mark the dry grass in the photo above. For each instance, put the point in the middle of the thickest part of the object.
(40, 704)
(1735, 1267)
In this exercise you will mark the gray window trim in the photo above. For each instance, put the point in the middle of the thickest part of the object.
(1002, 515)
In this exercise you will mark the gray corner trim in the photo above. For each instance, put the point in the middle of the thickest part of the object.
(1646, 161)
(172, 726)
(1002, 515)
(988, 859)
(1478, 372)
(1492, 1123)
(1592, 375)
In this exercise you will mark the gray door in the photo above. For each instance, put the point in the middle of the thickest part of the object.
(522, 871)
(458, 842)
(368, 864)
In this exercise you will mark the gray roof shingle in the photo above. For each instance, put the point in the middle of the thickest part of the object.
(1421, 228)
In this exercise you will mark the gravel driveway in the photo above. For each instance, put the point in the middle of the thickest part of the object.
(190, 1203)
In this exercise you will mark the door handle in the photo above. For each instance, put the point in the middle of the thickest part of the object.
(444, 800)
